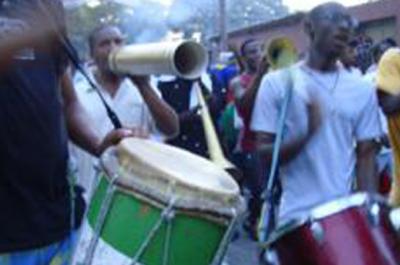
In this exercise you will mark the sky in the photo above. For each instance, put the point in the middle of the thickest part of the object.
(303, 5)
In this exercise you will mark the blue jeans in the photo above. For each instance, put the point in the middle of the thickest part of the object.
(56, 254)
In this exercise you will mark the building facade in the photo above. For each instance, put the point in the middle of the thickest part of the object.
(378, 19)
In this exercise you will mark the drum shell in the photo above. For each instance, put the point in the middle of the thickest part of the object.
(349, 237)
(195, 237)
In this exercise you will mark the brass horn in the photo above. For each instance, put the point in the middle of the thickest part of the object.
(281, 52)
(214, 147)
(186, 59)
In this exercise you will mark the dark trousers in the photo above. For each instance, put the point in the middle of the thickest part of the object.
(254, 180)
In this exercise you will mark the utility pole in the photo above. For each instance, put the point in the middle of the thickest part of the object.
(223, 35)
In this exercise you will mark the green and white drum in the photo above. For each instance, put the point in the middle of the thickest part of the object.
(158, 205)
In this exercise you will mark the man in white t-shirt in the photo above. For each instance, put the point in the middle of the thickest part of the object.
(332, 120)
(135, 101)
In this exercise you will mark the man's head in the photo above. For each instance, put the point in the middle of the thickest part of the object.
(250, 50)
(102, 41)
(349, 57)
(330, 27)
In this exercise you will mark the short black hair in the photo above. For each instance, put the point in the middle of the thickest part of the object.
(93, 34)
(391, 42)
(245, 44)
(317, 13)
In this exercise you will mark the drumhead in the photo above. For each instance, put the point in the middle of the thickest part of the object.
(167, 172)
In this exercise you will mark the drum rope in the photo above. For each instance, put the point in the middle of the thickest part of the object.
(105, 207)
(168, 239)
(167, 215)
(225, 241)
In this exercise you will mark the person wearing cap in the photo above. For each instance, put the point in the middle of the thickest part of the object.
(388, 83)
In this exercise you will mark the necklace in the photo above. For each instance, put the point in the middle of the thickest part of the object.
(316, 79)
(331, 106)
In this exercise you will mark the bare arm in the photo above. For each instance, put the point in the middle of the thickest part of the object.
(289, 150)
(366, 170)
(390, 104)
(78, 123)
(247, 100)
(165, 117)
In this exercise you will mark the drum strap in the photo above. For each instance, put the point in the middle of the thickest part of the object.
(72, 54)
(267, 221)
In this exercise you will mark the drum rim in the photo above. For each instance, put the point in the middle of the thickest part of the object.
(225, 207)
(232, 192)
(326, 209)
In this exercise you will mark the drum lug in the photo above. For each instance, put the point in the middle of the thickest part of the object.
(395, 219)
(374, 214)
(317, 231)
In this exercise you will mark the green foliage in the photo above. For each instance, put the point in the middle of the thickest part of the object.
(246, 13)
(81, 21)
(203, 15)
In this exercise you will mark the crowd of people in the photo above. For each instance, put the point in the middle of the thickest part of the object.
(340, 129)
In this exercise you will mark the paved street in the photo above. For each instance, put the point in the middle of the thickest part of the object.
(242, 251)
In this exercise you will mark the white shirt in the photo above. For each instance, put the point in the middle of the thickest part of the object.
(128, 105)
(323, 169)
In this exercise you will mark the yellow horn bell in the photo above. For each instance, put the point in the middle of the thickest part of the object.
(281, 52)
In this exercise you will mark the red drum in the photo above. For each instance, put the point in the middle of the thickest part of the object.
(355, 230)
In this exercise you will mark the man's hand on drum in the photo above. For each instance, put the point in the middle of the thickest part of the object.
(115, 136)
(140, 132)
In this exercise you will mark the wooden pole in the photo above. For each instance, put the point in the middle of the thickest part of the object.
(223, 35)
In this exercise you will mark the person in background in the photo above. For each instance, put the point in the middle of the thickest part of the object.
(364, 52)
(181, 95)
(385, 156)
(135, 101)
(223, 72)
(245, 156)
(377, 51)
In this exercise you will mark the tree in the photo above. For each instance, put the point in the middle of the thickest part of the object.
(82, 20)
(149, 20)
(202, 15)
(141, 21)
(246, 13)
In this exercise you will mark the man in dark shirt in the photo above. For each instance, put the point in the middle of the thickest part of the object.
(178, 93)
(38, 111)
